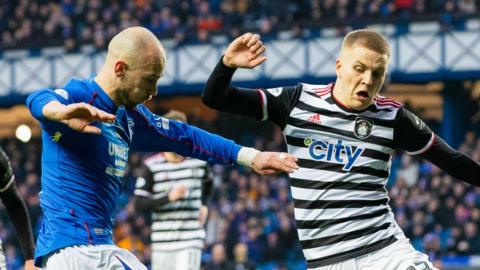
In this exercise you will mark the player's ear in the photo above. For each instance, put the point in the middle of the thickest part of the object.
(120, 68)
(338, 66)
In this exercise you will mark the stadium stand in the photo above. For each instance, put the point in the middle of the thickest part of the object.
(71, 23)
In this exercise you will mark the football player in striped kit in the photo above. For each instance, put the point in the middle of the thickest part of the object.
(17, 210)
(343, 134)
(177, 225)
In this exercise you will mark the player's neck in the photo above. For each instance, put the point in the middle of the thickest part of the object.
(173, 157)
(108, 86)
(337, 93)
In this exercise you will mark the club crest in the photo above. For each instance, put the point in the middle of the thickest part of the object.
(275, 91)
(363, 128)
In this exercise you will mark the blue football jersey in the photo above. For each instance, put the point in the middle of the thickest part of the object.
(82, 173)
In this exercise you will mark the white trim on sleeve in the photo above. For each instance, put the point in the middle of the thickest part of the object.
(8, 184)
(425, 148)
(264, 105)
(143, 193)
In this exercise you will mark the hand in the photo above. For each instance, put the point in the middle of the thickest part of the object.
(77, 116)
(177, 192)
(202, 218)
(273, 163)
(245, 52)
(29, 265)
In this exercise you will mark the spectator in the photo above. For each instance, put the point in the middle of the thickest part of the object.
(219, 259)
(241, 258)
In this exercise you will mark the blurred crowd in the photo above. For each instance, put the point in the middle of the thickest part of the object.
(72, 23)
(251, 223)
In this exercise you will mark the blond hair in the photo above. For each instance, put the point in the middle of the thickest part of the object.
(368, 39)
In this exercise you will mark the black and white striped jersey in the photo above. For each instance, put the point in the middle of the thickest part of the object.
(341, 204)
(174, 225)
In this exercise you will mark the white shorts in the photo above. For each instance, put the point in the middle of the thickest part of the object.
(109, 257)
(400, 255)
(183, 259)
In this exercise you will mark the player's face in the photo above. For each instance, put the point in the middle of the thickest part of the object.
(361, 73)
(140, 84)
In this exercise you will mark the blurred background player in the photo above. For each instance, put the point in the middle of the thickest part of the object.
(89, 127)
(17, 210)
(177, 226)
(343, 135)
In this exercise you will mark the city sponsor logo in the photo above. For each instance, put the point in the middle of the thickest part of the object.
(334, 152)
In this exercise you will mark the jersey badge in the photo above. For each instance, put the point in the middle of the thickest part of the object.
(62, 93)
(363, 128)
(165, 123)
(56, 137)
(275, 91)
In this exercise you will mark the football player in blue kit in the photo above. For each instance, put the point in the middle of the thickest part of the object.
(89, 127)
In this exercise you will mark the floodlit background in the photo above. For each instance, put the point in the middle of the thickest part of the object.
(435, 72)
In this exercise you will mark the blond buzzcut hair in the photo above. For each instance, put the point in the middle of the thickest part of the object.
(368, 39)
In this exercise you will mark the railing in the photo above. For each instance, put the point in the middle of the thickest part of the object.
(416, 57)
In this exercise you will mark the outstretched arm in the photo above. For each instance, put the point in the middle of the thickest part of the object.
(244, 52)
(153, 133)
(218, 94)
(453, 162)
(413, 135)
(77, 116)
(273, 104)
(16, 209)
(47, 105)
